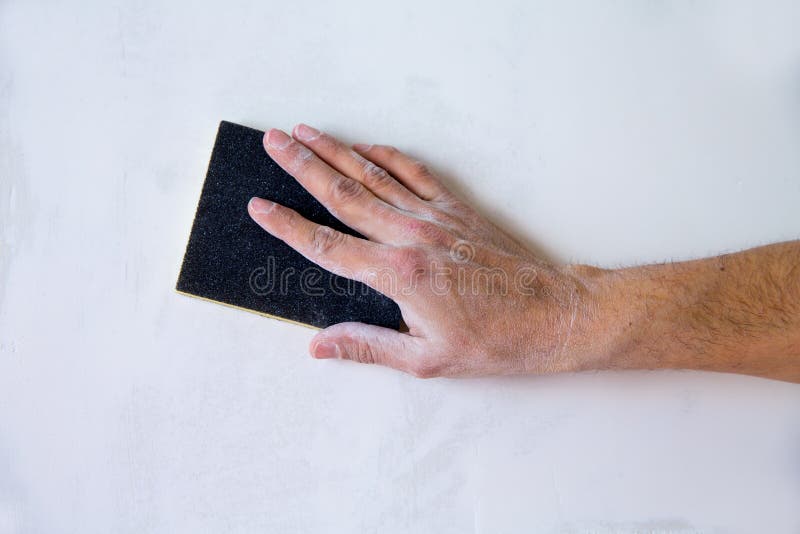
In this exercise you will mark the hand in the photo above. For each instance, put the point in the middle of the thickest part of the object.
(475, 300)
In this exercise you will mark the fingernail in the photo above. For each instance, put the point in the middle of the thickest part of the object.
(325, 350)
(260, 205)
(361, 147)
(277, 139)
(305, 132)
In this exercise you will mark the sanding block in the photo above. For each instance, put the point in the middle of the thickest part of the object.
(229, 259)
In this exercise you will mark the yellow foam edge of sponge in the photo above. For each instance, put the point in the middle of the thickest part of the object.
(248, 310)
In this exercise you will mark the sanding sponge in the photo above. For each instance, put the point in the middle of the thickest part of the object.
(231, 260)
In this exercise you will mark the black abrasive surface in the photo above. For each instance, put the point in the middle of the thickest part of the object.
(230, 259)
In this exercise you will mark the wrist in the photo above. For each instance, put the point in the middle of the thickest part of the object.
(601, 311)
(634, 318)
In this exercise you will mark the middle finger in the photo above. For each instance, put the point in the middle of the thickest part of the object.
(345, 198)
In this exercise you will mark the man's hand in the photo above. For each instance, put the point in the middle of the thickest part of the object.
(477, 302)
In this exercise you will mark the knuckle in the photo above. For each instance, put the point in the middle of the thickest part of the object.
(429, 232)
(325, 239)
(446, 202)
(374, 176)
(419, 169)
(410, 263)
(363, 353)
(344, 190)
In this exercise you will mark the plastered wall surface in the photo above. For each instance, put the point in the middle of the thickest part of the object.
(610, 134)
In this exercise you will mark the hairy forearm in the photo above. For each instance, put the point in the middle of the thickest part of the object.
(737, 313)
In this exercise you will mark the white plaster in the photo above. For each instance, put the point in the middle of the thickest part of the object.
(613, 133)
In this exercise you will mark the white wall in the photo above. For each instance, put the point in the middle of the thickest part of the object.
(613, 133)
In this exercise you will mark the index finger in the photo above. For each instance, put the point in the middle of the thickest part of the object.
(340, 253)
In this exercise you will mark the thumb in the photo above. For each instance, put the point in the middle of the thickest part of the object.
(365, 343)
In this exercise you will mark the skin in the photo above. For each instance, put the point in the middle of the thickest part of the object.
(477, 302)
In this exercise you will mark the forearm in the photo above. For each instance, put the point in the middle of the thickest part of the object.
(737, 313)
